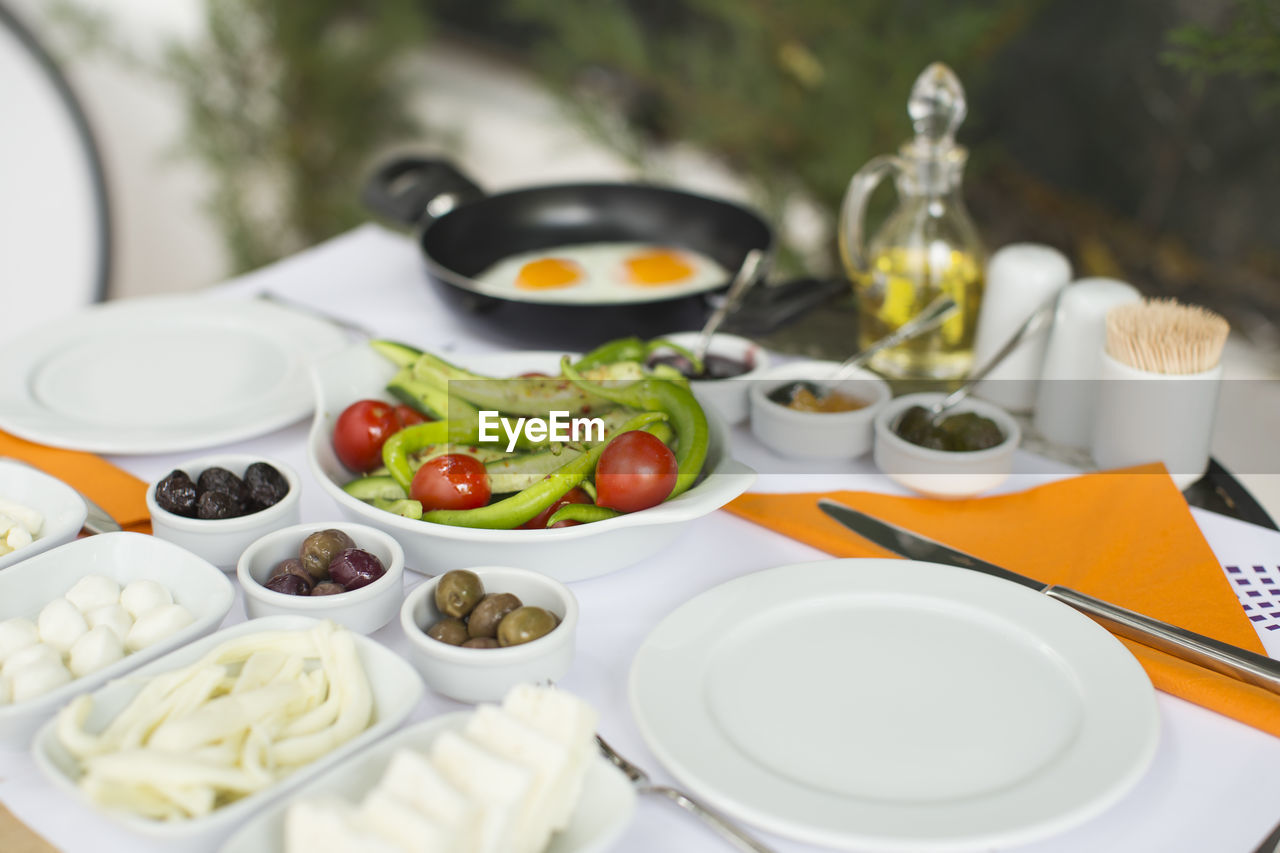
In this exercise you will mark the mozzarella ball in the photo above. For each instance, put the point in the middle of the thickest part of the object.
(99, 647)
(6, 690)
(40, 653)
(114, 616)
(93, 591)
(16, 633)
(38, 679)
(157, 624)
(140, 596)
(61, 623)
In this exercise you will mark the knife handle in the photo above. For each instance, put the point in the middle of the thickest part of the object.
(1225, 658)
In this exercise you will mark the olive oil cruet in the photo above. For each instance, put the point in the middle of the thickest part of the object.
(927, 245)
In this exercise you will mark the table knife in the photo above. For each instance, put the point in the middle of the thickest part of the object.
(1221, 657)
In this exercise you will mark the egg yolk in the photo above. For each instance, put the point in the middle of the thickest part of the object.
(658, 266)
(546, 273)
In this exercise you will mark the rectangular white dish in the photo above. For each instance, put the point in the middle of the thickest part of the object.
(396, 690)
(28, 586)
(60, 505)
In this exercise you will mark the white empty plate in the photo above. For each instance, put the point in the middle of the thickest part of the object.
(162, 374)
(893, 705)
(603, 812)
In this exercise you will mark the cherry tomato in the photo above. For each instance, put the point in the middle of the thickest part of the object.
(539, 521)
(408, 416)
(635, 471)
(452, 481)
(360, 431)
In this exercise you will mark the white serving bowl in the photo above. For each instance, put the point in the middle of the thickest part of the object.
(396, 690)
(604, 808)
(485, 675)
(817, 435)
(365, 609)
(27, 587)
(221, 540)
(945, 473)
(728, 397)
(568, 553)
(60, 506)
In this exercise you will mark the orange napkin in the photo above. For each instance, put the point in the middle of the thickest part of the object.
(118, 492)
(1124, 536)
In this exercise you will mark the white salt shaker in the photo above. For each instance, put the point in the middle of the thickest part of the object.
(1020, 278)
(1068, 388)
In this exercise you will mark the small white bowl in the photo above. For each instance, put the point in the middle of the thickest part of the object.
(485, 675)
(728, 397)
(222, 540)
(396, 691)
(61, 508)
(945, 473)
(365, 609)
(817, 435)
(29, 586)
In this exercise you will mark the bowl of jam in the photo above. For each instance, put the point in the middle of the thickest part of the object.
(800, 411)
(726, 372)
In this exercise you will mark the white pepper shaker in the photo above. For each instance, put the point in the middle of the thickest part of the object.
(1073, 361)
(1020, 278)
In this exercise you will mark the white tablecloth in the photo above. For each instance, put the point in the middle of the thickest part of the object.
(1214, 784)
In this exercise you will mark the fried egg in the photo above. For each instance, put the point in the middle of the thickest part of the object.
(602, 272)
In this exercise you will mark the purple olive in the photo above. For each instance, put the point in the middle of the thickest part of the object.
(288, 584)
(354, 568)
(293, 566)
(328, 588)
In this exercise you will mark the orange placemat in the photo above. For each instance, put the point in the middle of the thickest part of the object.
(118, 492)
(1124, 536)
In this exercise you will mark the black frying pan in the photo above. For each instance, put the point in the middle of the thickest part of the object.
(462, 232)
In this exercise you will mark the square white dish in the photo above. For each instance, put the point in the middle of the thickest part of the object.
(396, 690)
(28, 586)
(59, 504)
(602, 814)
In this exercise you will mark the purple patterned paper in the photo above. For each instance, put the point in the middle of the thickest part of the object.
(1258, 588)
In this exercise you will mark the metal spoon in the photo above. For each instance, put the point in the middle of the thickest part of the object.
(1030, 327)
(745, 277)
(926, 321)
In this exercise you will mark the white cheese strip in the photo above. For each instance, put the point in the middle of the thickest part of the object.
(499, 787)
(548, 760)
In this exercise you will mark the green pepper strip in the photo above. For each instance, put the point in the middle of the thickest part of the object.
(583, 513)
(631, 349)
(676, 402)
(523, 506)
(397, 448)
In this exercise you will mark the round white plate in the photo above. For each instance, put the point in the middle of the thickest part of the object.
(893, 705)
(162, 374)
(604, 810)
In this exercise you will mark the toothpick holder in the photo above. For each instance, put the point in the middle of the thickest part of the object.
(1144, 417)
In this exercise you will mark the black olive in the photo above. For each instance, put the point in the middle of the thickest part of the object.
(221, 480)
(266, 486)
(177, 494)
(213, 505)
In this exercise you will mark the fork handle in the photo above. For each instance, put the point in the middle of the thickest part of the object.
(735, 835)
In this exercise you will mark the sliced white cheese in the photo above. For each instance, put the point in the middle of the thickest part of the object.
(500, 788)
(564, 718)
(326, 825)
(410, 776)
(550, 761)
(397, 822)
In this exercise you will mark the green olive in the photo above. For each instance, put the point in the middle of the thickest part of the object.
(525, 624)
(319, 548)
(449, 630)
(480, 643)
(484, 620)
(458, 592)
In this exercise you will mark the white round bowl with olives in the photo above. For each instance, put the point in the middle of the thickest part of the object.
(350, 573)
(176, 514)
(475, 633)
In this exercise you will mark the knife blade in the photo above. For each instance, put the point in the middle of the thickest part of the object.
(1242, 664)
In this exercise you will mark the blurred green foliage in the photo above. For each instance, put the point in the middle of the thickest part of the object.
(1246, 44)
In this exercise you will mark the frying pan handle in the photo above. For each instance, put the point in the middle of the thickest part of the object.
(417, 190)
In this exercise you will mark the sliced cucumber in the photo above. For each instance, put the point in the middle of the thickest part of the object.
(375, 487)
(404, 506)
(401, 355)
(517, 473)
